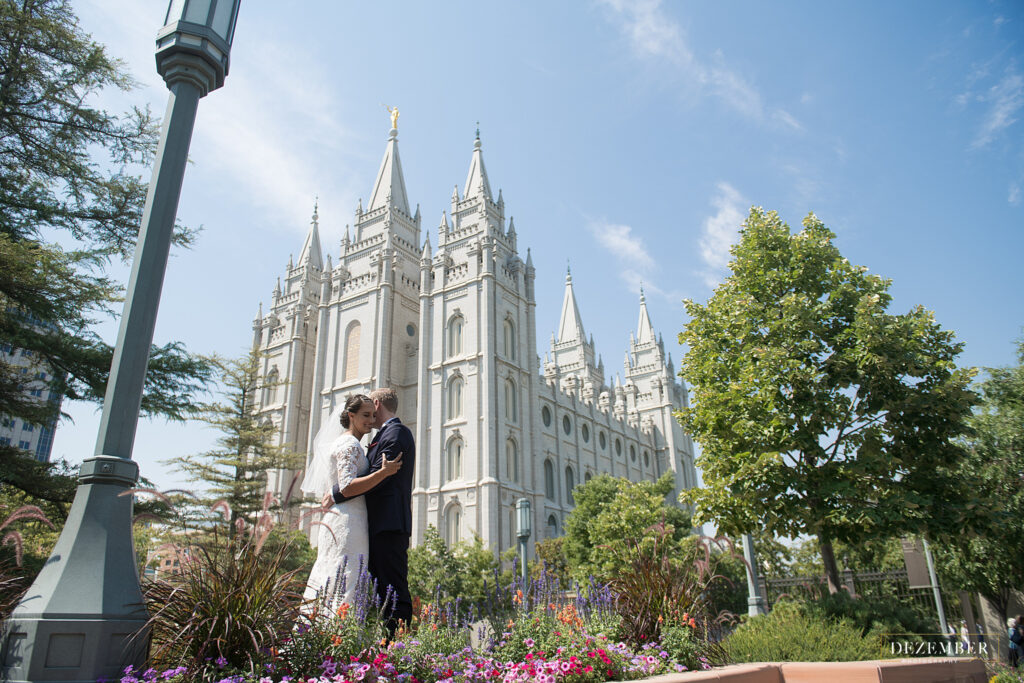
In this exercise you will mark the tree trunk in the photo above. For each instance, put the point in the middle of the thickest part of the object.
(828, 558)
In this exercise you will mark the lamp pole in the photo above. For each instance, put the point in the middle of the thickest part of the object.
(755, 601)
(524, 527)
(84, 616)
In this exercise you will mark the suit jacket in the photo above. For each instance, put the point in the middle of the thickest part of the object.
(389, 504)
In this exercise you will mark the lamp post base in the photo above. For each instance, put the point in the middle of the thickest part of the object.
(83, 617)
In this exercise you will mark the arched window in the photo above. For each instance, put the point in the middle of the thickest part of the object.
(352, 352)
(270, 387)
(455, 397)
(570, 484)
(453, 466)
(549, 480)
(452, 524)
(511, 402)
(511, 461)
(632, 452)
(455, 336)
(552, 529)
(510, 340)
(587, 477)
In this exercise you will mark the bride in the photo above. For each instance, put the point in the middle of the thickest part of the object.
(338, 458)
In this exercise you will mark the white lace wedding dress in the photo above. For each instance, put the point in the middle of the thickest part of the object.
(345, 532)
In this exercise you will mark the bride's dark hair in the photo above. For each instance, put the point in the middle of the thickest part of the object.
(352, 406)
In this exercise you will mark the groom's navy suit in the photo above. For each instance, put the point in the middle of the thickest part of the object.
(389, 508)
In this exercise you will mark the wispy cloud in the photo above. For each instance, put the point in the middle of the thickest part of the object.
(637, 265)
(1005, 100)
(720, 231)
(270, 137)
(1013, 196)
(654, 34)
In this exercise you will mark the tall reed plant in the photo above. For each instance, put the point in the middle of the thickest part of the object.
(230, 607)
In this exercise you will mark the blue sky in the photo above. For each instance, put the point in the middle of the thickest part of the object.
(630, 138)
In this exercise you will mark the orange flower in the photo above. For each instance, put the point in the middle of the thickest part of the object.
(336, 640)
(343, 610)
(518, 597)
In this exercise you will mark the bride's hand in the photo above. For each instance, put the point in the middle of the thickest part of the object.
(390, 467)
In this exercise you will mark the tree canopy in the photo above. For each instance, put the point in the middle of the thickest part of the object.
(818, 411)
(71, 201)
(990, 561)
(610, 511)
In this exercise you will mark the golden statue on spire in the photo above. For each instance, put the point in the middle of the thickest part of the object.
(394, 116)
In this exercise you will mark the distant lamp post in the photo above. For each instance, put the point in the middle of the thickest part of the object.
(78, 619)
(524, 527)
(755, 601)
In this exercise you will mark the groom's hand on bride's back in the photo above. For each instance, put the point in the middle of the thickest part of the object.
(390, 467)
(327, 501)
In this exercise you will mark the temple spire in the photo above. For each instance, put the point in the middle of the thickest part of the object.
(644, 329)
(570, 327)
(390, 185)
(476, 179)
(311, 252)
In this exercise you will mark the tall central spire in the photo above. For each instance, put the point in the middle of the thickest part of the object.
(570, 327)
(476, 179)
(644, 329)
(390, 185)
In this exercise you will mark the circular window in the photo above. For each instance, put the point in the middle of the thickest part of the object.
(566, 425)
(410, 330)
(647, 459)
(586, 433)
(618, 446)
(601, 440)
(545, 415)
(632, 453)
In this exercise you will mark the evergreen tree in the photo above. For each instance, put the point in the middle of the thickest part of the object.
(236, 470)
(70, 202)
(818, 411)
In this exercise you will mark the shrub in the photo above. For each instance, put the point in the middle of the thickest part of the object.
(872, 616)
(790, 634)
(664, 583)
(228, 609)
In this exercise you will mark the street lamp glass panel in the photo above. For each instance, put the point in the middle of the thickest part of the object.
(174, 11)
(197, 11)
(224, 19)
(523, 510)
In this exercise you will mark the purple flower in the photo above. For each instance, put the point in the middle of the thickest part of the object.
(221, 662)
(528, 642)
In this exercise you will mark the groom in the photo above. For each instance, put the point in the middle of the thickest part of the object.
(389, 506)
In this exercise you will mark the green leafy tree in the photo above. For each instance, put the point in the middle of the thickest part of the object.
(447, 572)
(236, 470)
(989, 561)
(609, 511)
(817, 410)
(70, 202)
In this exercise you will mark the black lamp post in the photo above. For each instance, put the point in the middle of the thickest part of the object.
(79, 619)
(523, 528)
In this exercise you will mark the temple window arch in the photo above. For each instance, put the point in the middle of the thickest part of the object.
(455, 390)
(352, 334)
(455, 333)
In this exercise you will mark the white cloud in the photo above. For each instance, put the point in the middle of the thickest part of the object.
(638, 266)
(1005, 98)
(1014, 195)
(270, 136)
(627, 247)
(653, 34)
(720, 231)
